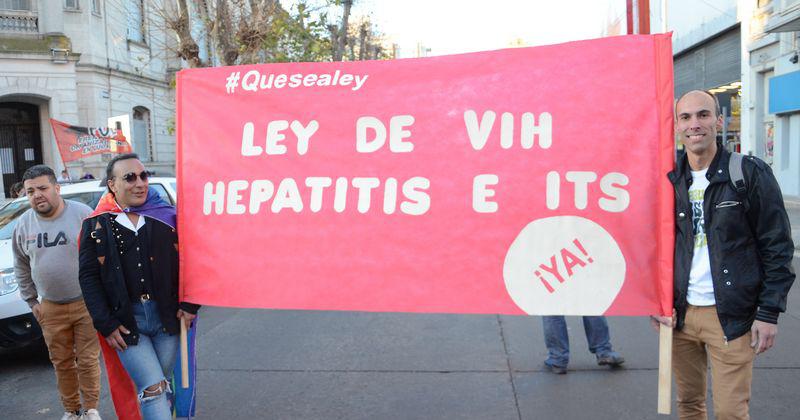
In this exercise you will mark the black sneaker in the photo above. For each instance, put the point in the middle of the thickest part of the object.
(612, 359)
(558, 370)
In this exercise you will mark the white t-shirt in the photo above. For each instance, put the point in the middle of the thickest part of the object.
(701, 288)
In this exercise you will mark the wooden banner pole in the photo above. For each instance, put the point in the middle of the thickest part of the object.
(664, 370)
(184, 356)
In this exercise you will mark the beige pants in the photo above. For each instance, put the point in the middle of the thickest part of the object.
(70, 337)
(702, 339)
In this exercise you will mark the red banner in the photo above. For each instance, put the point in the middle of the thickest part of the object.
(78, 142)
(516, 181)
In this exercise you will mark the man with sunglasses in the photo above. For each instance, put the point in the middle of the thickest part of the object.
(129, 277)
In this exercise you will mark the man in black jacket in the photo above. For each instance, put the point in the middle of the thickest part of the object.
(129, 277)
(733, 254)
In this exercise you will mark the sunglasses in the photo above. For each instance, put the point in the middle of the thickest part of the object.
(130, 177)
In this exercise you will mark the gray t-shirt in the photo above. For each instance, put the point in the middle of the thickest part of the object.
(46, 254)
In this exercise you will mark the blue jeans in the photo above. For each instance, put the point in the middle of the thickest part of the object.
(151, 361)
(557, 340)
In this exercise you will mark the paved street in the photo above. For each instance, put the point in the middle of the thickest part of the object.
(323, 365)
(407, 155)
(258, 364)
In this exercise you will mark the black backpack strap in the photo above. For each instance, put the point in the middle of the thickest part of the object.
(737, 175)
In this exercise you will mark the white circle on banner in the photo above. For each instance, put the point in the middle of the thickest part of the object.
(564, 265)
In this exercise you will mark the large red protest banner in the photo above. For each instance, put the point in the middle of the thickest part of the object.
(515, 181)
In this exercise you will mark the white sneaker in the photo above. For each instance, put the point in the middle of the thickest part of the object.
(91, 414)
(68, 415)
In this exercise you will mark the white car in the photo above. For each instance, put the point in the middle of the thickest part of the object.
(17, 324)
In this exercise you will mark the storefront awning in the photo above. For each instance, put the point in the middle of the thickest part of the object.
(784, 22)
(783, 95)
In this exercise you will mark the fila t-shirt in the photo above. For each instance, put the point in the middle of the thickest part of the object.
(46, 254)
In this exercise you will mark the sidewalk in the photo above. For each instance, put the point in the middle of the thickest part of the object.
(344, 365)
(793, 209)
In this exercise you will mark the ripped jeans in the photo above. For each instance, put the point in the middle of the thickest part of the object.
(151, 361)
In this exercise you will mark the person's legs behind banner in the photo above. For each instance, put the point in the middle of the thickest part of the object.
(599, 340)
(556, 338)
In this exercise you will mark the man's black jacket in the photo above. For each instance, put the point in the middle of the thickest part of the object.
(749, 243)
(103, 282)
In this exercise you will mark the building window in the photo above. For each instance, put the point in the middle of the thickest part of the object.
(786, 131)
(96, 7)
(141, 133)
(71, 4)
(15, 5)
(766, 137)
(18, 17)
(135, 11)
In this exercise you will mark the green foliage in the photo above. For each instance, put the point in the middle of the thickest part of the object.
(297, 37)
(278, 32)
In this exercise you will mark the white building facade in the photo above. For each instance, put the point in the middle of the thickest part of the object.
(746, 52)
(83, 62)
(774, 99)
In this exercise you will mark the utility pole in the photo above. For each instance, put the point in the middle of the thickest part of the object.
(638, 16)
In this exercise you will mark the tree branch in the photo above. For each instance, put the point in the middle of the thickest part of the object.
(187, 47)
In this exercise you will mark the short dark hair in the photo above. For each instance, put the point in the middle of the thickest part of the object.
(112, 162)
(16, 189)
(36, 171)
(717, 108)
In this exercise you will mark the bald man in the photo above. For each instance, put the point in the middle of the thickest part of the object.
(733, 255)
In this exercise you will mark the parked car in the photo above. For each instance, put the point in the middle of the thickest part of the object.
(18, 327)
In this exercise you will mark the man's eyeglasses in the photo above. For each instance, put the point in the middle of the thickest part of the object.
(130, 177)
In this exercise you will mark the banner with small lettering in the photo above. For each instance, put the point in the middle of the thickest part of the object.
(518, 181)
(76, 142)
